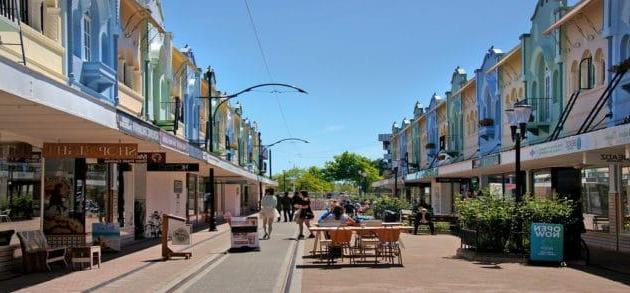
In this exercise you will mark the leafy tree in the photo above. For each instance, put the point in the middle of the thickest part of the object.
(351, 167)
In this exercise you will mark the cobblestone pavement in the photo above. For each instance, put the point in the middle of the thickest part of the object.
(430, 265)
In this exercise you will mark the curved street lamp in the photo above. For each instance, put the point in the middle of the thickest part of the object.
(209, 124)
(268, 146)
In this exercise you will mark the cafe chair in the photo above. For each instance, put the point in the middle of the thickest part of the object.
(366, 239)
(340, 239)
(389, 245)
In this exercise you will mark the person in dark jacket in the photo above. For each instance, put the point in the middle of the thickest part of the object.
(287, 210)
(279, 206)
(423, 213)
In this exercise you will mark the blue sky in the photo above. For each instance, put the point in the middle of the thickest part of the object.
(364, 62)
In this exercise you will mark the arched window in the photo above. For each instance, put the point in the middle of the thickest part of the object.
(556, 88)
(625, 47)
(575, 82)
(87, 37)
(587, 78)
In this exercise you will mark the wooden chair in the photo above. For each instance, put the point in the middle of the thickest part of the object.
(35, 251)
(389, 245)
(340, 239)
(366, 240)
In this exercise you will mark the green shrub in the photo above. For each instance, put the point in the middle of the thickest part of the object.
(497, 219)
(23, 206)
(394, 204)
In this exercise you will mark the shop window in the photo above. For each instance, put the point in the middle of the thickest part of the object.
(20, 185)
(595, 199)
(542, 184)
(63, 212)
(98, 206)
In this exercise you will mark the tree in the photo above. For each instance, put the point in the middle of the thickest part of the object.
(351, 167)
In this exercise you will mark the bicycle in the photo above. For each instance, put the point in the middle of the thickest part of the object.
(154, 226)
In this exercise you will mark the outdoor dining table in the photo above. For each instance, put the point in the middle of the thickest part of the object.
(318, 230)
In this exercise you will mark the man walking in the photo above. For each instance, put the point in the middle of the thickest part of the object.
(268, 211)
(286, 207)
(279, 205)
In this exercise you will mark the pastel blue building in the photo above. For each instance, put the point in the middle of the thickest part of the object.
(191, 100)
(431, 145)
(455, 141)
(617, 31)
(542, 70)
(489, 103)
(92, 46)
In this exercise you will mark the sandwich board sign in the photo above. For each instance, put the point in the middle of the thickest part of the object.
(546, 242)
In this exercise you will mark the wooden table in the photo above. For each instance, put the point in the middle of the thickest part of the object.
(318, 230)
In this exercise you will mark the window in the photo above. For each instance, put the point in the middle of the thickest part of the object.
(87, 37)
(545, 98)
(595, 199)
(542, 184)
(587, 78)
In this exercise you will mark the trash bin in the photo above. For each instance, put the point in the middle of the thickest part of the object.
(244, 232)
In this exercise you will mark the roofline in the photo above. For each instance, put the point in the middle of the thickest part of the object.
(507, 56)
(465, 86)
(572, 13)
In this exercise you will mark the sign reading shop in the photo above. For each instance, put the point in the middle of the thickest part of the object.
(90, 150)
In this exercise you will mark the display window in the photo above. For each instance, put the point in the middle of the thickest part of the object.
(595, 188)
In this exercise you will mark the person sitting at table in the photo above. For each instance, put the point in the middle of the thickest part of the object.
(328, 211)
(423, 217)
(337, 216)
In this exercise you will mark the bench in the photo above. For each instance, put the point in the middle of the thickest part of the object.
(36, 251)
(406, 216)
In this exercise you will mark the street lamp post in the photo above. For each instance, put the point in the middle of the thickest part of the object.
(209, 139)
(517, 118)
(277, 142)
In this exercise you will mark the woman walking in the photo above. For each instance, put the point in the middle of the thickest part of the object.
(304, 213)
(268, 211)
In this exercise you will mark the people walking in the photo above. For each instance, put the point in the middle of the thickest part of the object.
(286, 207)
(305, 213)
(268, 211)
(279, 205)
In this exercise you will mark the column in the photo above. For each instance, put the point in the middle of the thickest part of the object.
(614, 208)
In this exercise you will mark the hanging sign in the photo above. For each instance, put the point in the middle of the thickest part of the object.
(546, 242)
(90, 150)
(172, 167)
(141, 158)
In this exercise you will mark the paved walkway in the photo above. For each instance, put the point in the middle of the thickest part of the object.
(256, 271)
(140, 271)
(430, 266)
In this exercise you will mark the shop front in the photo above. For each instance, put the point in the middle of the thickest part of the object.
(83, 195)
(20, 186)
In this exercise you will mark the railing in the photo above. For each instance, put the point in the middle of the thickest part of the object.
(9, 9)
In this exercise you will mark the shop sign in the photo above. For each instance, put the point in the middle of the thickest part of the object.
(604, 158)
(173, 167)
(173, 142)
(559, 147)
(180, 233)
(546, 242)
(487, 161)
(90, 150)
(422, 174)
(136, 127)
(178, 186)
(141, 158)
(451, 180)
(195, 152)
(106, 235)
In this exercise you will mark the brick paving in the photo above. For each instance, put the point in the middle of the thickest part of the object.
(430, 265)
(140, 271)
